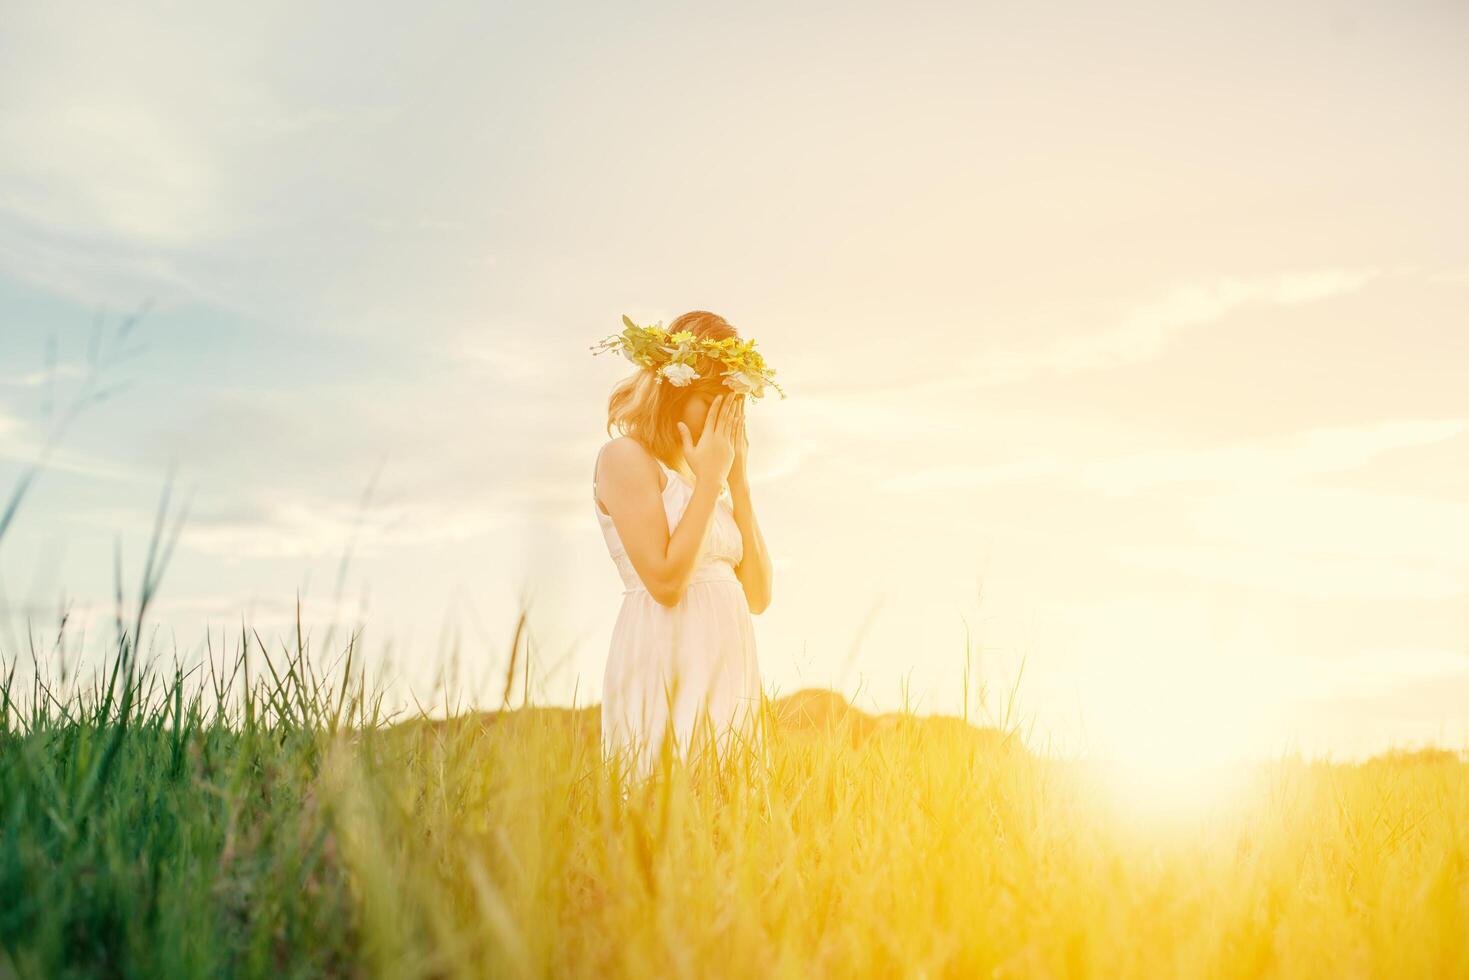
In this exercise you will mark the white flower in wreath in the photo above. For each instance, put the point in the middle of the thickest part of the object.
(744, 383)
(679, 374)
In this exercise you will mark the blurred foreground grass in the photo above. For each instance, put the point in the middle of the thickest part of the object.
(270, 823)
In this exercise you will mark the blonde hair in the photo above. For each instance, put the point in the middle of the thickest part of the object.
(648, 411)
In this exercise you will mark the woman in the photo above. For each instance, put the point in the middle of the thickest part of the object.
(672, 495)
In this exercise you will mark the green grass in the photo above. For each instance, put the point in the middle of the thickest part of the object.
(270, 823)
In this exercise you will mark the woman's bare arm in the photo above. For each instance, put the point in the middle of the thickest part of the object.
(627, 485)
(754, 570)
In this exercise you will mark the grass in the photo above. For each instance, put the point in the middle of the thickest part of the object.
(257, 817)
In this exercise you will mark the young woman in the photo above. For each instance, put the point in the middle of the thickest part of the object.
(672, 495)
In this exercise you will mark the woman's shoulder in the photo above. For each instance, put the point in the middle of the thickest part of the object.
(624, 454)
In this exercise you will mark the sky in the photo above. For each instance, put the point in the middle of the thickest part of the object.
(1125, 348)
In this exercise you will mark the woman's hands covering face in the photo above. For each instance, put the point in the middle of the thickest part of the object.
(713, 455)
(741, 442)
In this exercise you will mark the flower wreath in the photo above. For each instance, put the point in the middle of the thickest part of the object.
(672, 357)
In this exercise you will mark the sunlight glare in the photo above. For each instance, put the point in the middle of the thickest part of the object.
(1175, 737)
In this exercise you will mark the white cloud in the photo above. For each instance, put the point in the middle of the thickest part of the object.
(814, 423)
(301, 529)
(502, 357)
(116, 127)
(1269, 461)
(947, 477)
(94, 271)
(262, 613)
(18, 447)
(1322, 542)
(1282, 459)
(1374, 673)
(144, 150)
(1331, 522)
(1256, 562)
(34, 379)
(1144, 332)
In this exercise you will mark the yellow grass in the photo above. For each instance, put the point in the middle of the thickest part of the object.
(289, 833)
(906, 848)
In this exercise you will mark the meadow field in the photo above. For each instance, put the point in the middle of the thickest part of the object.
(256, 816)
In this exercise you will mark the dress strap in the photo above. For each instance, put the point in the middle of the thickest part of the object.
(668, 473)
(595, 464)
(597, 504)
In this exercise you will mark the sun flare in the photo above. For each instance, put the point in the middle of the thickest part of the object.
(1174, 735)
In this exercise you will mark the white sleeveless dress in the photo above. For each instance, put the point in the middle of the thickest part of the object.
(674, 663)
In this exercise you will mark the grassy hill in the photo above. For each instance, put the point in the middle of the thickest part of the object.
(280, 829)
(811, 710)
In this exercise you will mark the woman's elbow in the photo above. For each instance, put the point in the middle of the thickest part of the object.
(666, 595)
(759, 604)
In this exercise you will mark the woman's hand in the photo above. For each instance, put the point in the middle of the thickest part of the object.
(712, 457)
(738, 472)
